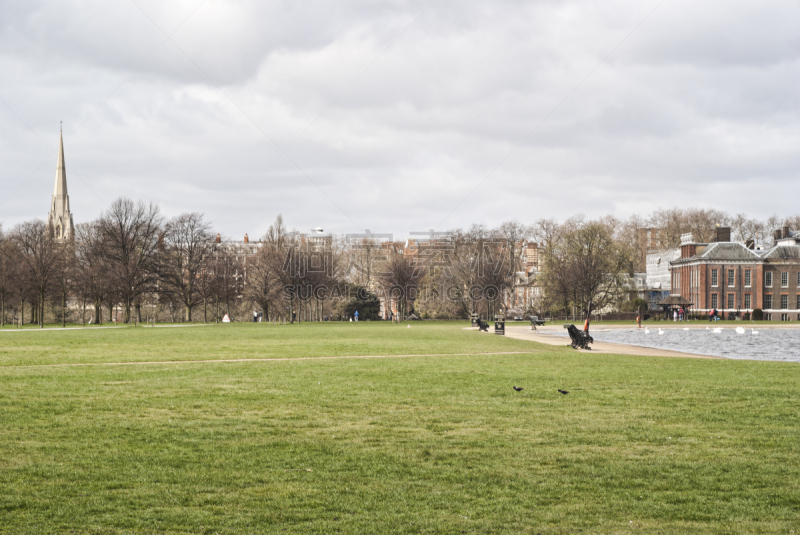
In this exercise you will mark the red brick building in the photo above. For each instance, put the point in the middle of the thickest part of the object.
(740, 277)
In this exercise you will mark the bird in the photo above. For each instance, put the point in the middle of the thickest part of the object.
(517, 388)
(739, 330)
(660, 331)
(565, 392)
(686, 328)
(646, 331)
(717, 330)
(708, 328)
(754, 331)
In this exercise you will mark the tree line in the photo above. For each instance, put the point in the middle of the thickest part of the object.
(133, 262)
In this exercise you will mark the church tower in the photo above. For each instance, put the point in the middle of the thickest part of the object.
(59, 222)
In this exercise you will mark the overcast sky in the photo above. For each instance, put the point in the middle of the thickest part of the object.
(400, 116)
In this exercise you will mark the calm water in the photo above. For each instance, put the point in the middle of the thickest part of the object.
(768, 344)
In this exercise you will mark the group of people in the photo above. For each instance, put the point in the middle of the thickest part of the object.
(679, 314)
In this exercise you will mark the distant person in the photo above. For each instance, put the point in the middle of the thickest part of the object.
(711, 315)
(675, 316)
(356, 315)
(255, 316)
(639, 320)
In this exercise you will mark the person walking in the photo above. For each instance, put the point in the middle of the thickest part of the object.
(356, 315)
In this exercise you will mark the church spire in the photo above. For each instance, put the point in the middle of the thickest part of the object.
(59, 220)
(60, 189)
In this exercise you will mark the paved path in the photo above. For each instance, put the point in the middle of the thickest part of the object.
(541, 335)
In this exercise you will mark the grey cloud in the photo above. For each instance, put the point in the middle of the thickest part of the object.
(696, 104)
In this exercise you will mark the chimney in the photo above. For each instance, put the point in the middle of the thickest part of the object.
(246, 238)
(723, 234)
(785, 232)
(777, 234)
(218, 239)
(688, 245)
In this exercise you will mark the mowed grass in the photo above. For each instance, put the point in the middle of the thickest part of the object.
(424, 444)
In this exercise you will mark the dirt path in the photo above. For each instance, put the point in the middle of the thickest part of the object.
(281, 359)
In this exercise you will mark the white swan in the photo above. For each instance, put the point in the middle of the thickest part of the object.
(646, 331)
(660, 331)
(754, 331)
(739, 330)
(708, 328)
(717, 330)
(686, 328)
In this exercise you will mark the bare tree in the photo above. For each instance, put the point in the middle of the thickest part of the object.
(64, 281)
(400, 280)
(263, 284)
(40, 256)
(6, 274)
(130, 233)
(188, 246)
(584, 265)
(228, 279)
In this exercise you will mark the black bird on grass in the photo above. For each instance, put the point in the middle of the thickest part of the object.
(565, 392)
(517, 388)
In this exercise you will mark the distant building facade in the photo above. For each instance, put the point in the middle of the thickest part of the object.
(735, 278)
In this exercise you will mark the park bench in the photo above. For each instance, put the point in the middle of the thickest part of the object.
(580, 339)
(535, 321)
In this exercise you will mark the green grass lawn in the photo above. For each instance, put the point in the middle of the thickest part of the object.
(421, 444)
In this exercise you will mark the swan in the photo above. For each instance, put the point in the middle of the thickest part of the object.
(646, 331)
(686, 328)
(754, 331)
(739, 330)
(660, 331)
(717, 330)
(708, 328)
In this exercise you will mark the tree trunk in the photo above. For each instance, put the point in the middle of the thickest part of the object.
(64, 309)
(188, 314)
(41, 308)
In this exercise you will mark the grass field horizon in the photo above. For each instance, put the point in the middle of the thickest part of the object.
(433, 443)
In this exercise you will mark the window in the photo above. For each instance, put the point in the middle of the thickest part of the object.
(784, 317)
(784, 279)
(784, 302)
(798, 302)
(768, 301)
(747, 301)
(747, 278)
(714, 301)
(798, 279)
(768, 279)
(731, 275)
(731, 301)
(768, 317)
(714, 275)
